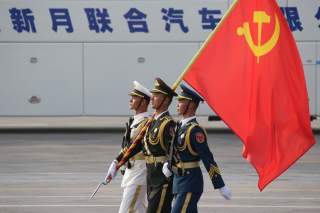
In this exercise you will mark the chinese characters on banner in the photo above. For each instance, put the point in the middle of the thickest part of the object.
(99, 20)
(191, 21)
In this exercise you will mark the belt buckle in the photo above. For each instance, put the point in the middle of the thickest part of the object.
(179, 171)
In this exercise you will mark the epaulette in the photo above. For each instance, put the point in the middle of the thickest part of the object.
(139, 126)
(194, 124)
(167, 117)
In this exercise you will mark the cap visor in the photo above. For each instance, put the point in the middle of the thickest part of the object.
(135, 94)
(180, 97)
(158, 91)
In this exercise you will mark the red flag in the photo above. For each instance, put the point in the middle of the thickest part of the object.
(251, 75)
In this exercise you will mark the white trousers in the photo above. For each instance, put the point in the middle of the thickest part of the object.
(134, 199)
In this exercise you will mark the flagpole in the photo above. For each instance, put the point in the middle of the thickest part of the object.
(191, 62)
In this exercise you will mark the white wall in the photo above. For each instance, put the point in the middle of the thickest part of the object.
(54, 76)
(111, 68)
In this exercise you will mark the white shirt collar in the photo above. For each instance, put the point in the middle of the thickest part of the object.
(186, 120)
(139, 117)
(159, 115)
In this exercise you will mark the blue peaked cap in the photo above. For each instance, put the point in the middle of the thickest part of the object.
(189, 94)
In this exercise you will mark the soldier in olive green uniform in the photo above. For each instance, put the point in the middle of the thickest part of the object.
(156, 148)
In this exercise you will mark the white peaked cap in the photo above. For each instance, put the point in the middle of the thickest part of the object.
(137, 86)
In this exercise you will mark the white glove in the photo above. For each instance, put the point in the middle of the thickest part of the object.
(112, 171)
(165, 170)
(225, 192)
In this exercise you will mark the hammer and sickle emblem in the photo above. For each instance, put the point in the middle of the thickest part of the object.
(260, 17)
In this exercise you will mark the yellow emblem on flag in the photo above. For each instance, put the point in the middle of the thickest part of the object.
(260, 17)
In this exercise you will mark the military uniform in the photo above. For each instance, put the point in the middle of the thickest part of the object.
(155, 146)
(134, 182)
(190, 146)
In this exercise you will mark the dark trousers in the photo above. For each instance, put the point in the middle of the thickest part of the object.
(186, 202)
(160, 199)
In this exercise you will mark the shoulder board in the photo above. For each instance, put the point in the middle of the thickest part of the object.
(165, 121)
(167, 117)
(143, 122)
(193, 125)
(139, 126)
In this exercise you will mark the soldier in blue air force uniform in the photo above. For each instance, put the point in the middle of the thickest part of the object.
(190, 146)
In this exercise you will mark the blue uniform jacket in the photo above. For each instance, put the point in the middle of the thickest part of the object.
(191, 145)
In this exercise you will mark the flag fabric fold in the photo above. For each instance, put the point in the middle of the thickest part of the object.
(251, 75)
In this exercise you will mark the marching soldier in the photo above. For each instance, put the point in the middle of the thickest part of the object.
(134, 182)
(155, 147)
(190, 146)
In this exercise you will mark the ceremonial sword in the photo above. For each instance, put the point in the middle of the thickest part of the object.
(98, 187)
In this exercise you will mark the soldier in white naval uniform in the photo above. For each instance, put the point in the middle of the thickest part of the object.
(134, 182)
